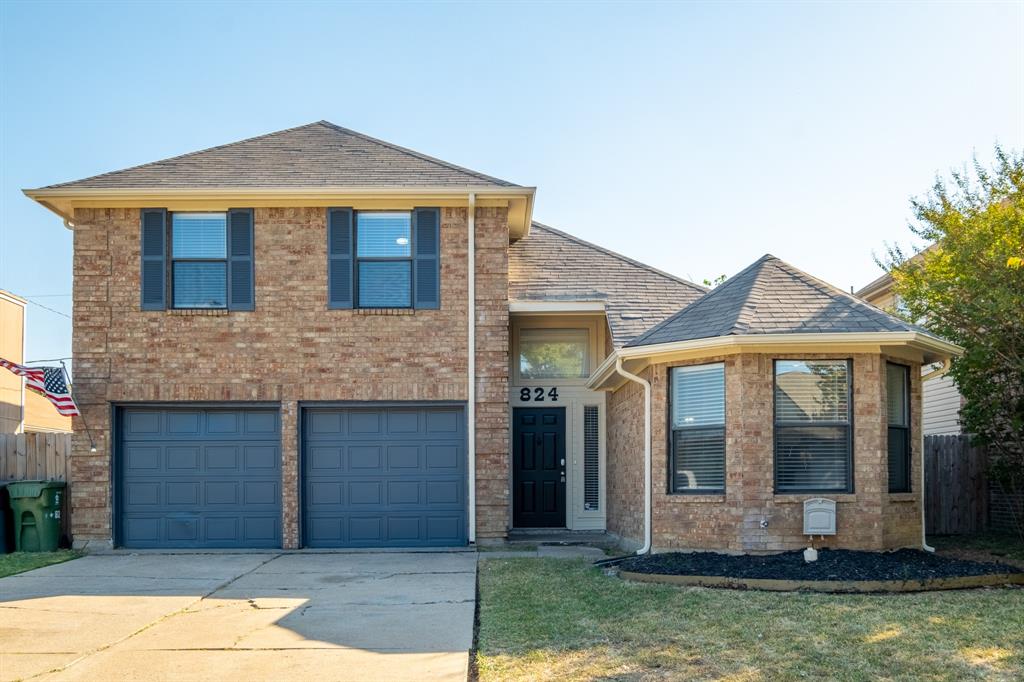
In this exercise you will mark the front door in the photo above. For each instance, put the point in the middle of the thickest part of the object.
(538, 467)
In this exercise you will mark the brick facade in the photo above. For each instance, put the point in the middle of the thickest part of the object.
(869, 518)
(290, 349)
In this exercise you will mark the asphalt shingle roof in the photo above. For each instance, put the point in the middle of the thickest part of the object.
(550, 265)
(319, 154)
(772, 297)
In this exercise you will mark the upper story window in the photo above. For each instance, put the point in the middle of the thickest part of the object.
(384, 259)
(813, 440)
(196, 260)
(897, 391)
(199, 260)
(554, 354)
(697, 395)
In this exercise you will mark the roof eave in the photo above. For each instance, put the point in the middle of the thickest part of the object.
(64, 200)
(606, 378)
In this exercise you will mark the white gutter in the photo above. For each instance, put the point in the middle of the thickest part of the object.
(647, 452)
(471, 364)
(936, 373)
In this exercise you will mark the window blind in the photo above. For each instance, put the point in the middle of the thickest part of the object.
(698, 428)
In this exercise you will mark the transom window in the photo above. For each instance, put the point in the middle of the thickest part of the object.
(384, 259)
(897, 388)
(698, 428)
(554, 353)
(813, 442)
(199, 260)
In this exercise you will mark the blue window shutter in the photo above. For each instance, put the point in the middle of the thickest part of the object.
(153, 268)
(241, 275)
(339, 258)
(426, 228)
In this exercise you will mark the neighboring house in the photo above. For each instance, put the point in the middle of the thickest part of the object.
(941, 399)
(21, 410)
(317, 339)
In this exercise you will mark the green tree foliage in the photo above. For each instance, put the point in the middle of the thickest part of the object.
(969, 288)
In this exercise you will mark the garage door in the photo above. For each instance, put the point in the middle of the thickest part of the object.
(200, 478)
(384, 477)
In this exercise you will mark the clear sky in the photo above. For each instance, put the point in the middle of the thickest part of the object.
(695, 137)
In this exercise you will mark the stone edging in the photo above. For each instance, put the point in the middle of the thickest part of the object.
(835, 586)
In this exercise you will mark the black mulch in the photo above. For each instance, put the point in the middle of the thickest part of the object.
(832, 564)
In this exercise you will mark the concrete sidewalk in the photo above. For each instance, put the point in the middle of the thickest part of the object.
(277, 616)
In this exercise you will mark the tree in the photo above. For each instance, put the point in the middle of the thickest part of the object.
(968, 287)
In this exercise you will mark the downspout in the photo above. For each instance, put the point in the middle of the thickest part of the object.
(471, 365)
(924, 538)
(647, 451)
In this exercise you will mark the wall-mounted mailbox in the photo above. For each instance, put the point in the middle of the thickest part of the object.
(819, 516)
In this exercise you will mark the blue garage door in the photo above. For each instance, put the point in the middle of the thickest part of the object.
(200, 478)
(384, 477)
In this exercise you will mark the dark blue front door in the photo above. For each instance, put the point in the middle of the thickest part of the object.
(199, 477)
(538, 467)
(384, 476)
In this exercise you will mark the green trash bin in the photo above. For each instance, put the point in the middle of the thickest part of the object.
(36, 506)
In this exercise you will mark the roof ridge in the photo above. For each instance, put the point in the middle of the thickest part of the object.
(183, 156)
(748, 310)
(619, 256)
(413, 152)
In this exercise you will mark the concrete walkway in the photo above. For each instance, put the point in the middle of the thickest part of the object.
(276, 616)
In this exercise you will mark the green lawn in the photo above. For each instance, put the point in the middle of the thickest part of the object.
(565, 620)
(19, 562)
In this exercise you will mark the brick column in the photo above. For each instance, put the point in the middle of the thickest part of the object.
(289, 474)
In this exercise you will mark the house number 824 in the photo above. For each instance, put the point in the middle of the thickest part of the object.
(538, 394)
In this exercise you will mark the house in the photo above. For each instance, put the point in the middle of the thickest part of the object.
(21, 411)
(941, 400)
(318, 339)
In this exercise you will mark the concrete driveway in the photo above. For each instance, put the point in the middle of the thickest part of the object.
(276, 616)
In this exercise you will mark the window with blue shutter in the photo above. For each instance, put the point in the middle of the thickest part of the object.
(153, 269)
(384, 259)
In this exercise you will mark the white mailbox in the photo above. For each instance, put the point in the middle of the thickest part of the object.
(819, 516)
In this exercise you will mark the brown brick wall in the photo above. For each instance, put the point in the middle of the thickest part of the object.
(869, 518)
(290, 349)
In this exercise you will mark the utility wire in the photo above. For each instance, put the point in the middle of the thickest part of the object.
(47, 308)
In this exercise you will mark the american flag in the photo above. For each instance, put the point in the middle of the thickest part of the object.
(48, 381)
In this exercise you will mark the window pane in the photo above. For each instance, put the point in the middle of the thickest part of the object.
(200, 285)
(199, 235)
(811, 458)
(899, 459)
(811, 391)
(896, 394)
(554, 353)
(383, 235)
(591, 459)
(698, 397)
(385, 284)
(699, 459)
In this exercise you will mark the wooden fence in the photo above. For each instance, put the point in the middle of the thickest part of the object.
(27, 456)
(956, 487)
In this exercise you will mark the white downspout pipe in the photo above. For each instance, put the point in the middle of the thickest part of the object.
(647, 451)
(924, 537)
(471, 364)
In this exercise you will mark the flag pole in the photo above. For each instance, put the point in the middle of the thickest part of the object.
(81, 414)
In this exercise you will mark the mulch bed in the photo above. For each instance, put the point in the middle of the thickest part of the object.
(832, 565)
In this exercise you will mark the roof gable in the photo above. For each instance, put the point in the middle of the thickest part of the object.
(319, 154)
(772, 297)
(551, 265)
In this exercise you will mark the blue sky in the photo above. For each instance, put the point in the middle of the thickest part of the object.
(694, 137)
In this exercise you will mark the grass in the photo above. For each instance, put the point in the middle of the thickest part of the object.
(984, 547)
(565, 620)
(19, 562)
